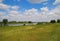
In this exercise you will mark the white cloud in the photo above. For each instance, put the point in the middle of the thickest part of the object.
(44, 10)
(14, 13)
(54, 14)
(34, 15)
(1, 14)
(37, 1)
(44, 14)
(57, 2)
(14, 7)
(12, 10)
(4, 6)
(1, 0)
(32, 11)
(8, 7)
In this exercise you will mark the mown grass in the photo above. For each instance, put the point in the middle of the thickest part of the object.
(41, 32)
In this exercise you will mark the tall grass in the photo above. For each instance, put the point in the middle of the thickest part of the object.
(41, 32)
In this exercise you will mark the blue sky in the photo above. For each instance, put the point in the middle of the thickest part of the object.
(24, 4)
(29, 10)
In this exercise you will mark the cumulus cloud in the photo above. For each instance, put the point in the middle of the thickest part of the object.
(1, 1)
(34, 15)
(14, 13)
(56, 2)
(37, 1)
(55, 13)
(8, 7)
(32, 11)
(1, 14)
(4, 6)
(44, 14)
(5, 10)
(14, 7)
(44, 10)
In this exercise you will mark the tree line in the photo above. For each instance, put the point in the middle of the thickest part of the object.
(54, 21)
(5, 22)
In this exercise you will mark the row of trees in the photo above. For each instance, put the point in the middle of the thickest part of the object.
(54, 21)
(5, 21)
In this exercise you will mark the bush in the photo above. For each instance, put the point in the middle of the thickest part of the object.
(23, 24)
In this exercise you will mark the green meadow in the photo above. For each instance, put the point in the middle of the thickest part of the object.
(40, 32)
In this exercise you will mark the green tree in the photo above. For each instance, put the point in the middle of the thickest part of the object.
(5, 22)
(58, 21)
(52, 21)
(29, 22)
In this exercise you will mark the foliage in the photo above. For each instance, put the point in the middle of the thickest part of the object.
(52, 21)
(58, 21)
(29, 22)
(5, 22)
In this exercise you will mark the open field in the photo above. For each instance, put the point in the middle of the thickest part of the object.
(41, 32)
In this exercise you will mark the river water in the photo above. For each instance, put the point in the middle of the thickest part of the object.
(21, 24)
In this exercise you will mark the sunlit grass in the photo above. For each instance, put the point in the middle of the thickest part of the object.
(41, 32)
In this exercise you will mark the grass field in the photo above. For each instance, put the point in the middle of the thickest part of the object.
(41, 32)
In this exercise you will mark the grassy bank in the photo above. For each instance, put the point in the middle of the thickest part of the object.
(41, 32)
